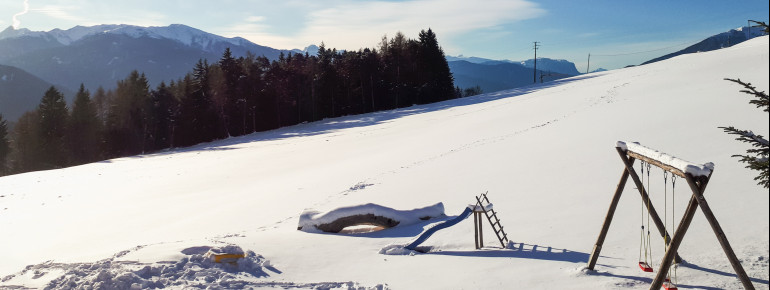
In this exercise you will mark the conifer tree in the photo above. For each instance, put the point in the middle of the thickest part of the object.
(5, 148)
(84, 130)
(757, 157)
(26, 153)
(128, 118)
(436, 81)
(53, 117)
(233, 106)
(165, 110)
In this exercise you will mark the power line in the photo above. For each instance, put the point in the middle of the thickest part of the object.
(534, 72)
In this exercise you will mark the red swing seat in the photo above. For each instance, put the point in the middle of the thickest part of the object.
(669, 286)
(645, 267)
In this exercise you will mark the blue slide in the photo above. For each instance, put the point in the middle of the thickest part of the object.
(438, 227)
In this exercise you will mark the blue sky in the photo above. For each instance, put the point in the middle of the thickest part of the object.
(617, 33)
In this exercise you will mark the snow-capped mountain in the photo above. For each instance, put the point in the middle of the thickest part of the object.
(103, 54)
(181, 33)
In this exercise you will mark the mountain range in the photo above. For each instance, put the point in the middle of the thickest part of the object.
(100, 55)
(560, 66)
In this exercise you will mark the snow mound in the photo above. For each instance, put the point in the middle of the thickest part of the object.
(399, 250)
(311, 220)
(196, 270)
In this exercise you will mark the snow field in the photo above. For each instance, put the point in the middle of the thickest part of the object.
(544, 153)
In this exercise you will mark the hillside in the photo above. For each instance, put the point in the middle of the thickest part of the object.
(20, 92)
(545, 154)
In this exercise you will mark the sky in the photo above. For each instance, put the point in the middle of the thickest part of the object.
(615, 33)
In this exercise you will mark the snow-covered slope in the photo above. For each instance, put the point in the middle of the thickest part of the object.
(544, 153)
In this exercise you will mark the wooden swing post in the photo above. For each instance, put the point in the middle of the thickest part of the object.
(627, 171)
(697, 178)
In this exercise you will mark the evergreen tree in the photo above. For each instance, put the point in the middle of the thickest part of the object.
(234, 103)
(5, 148)
(371, 79)
(165, 111)
(199, 121)
(84, 130)
(436, 81)
(53, 117)
(757, 157)
(256, 89)
(327, 83)
(26, 153)
(128, 119)
(101, 101)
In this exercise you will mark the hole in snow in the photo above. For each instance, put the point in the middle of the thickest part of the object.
(362, 228)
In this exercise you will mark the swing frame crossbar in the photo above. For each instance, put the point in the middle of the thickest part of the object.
(697, 184)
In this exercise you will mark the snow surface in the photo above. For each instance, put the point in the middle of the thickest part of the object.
(542, 152)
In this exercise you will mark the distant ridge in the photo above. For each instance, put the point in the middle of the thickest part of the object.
(20, 92)
(722, 40)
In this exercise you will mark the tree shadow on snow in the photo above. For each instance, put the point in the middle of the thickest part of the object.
(363, 120)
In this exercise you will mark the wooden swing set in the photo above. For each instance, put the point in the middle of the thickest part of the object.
(697, 177)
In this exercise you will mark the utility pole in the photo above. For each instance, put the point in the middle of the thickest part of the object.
(588, 69)
(534, 73)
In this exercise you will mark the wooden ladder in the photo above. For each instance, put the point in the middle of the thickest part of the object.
(496, 226)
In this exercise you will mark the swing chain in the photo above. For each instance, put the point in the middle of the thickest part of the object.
(673, 181)
(648, 171)
(673, 279)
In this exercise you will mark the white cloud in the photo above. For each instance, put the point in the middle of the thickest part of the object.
(351, 24)
(16, 21)
(255, 19)
(59, 12)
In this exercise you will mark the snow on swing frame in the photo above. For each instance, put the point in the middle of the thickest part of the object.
(665, 161)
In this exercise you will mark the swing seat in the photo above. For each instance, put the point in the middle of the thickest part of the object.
(669, 286)
(645, 267)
